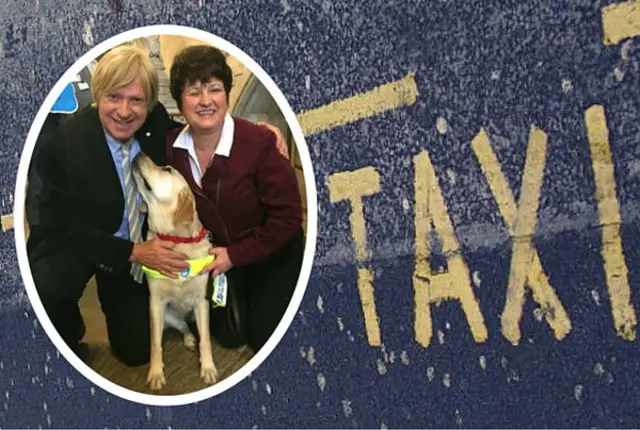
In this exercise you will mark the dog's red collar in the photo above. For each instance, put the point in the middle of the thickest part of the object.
(180, 239)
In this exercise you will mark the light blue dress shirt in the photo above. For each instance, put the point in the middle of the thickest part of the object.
(116, 153)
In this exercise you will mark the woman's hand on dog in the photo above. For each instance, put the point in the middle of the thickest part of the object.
(159, 255)
(222, 262)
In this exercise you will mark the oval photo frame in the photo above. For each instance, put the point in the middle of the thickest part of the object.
(311, 217)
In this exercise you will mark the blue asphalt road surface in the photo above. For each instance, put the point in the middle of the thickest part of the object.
(499, 65)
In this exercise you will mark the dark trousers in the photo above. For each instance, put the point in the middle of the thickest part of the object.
(60, 278)
(258, 297)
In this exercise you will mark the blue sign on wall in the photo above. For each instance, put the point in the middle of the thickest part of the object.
(478, 171)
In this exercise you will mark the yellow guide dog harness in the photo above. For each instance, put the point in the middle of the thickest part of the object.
(196, 265)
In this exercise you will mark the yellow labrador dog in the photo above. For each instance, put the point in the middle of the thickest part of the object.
(171, 210)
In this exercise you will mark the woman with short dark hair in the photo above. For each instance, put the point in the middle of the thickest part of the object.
(246, 195)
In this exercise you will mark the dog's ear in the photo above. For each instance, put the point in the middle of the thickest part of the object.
(184, 213)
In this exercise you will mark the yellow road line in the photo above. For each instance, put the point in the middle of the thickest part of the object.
(624, 315)
(7, 222)
(620, 21)
(386, 97)
(520, 220)
(353, 186)
(455, 283)
(366, 290)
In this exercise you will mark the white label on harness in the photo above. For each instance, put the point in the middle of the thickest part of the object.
(219, 296)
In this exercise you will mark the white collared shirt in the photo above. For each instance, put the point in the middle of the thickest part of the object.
(185, 141)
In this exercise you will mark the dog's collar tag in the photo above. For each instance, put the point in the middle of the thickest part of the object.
(185, 273)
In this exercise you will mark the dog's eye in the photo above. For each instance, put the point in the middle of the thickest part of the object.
(146, 184)
(167, 169)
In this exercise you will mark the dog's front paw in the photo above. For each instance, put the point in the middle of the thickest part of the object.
(156, 379)
(190, 341)
(209, 374)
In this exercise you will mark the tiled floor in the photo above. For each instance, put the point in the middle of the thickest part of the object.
(182, 370)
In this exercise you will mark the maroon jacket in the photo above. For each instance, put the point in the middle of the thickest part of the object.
(250, 201)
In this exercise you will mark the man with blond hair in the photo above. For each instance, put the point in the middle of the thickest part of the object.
(89, 220)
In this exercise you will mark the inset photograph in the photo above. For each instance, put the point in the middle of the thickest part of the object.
(166, 215)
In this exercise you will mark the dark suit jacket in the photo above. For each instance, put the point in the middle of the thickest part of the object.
(81, 202)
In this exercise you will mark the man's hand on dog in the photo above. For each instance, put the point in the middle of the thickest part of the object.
(281, 143)
(159, 255)
(221, 264)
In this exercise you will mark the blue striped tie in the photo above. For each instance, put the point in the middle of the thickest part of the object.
(135, 223)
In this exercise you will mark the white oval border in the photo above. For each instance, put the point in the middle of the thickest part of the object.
(311, 234)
